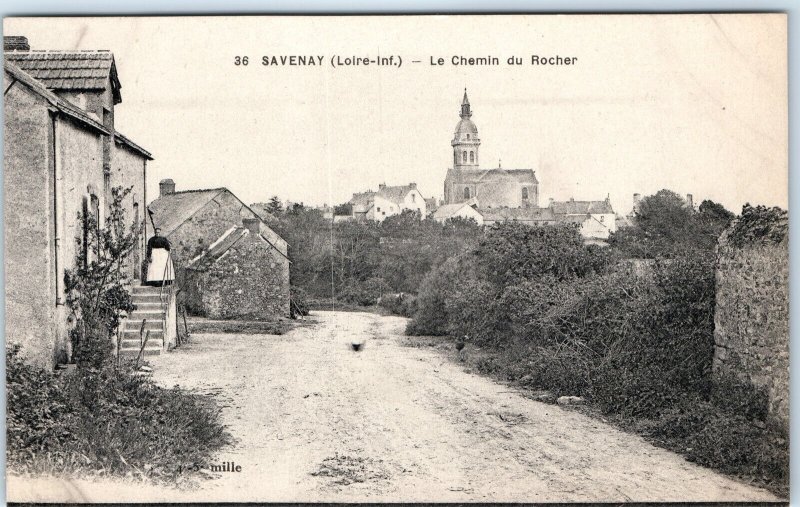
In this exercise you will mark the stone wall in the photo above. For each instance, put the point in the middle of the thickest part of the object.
(250, 281)
(751, 319)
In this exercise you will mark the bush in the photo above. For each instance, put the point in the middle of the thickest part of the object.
(401, 304)
(104, 421)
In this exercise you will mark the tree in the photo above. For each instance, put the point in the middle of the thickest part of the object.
(665, 226)
(95, 288)
(274, 207)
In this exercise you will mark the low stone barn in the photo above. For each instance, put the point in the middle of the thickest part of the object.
(193, 219)
(243, 275)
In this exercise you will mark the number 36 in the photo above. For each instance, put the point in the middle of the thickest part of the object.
(240, 60)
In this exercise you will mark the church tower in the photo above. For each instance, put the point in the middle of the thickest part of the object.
(465, 142)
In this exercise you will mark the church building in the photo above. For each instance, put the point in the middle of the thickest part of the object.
(485, 188)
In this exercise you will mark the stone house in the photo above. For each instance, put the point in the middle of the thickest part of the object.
(63, 155)
(193, 219)
(243, 275)
(387, 201)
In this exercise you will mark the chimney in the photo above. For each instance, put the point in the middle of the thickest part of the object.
(636, 199)
(252, 224)
(166, 187)
(550, 202)
(412, 185)
(15, 43)
(689, 201)
(381, 186)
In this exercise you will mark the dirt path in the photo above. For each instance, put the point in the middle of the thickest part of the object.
(317, 421)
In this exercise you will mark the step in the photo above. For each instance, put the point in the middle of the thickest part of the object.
(138, 315)
(147, 290)
(136, 324)
(145, 298)
(150, 306)
(134, 331)
(134, 351)
(133, 343)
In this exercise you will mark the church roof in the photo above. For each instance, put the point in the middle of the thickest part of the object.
(573, 207)
(466, 126)
(518, 214)
(482, 175)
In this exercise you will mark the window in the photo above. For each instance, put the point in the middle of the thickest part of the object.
(464, 157)
(472, 156)
(379, 209)
(524, 192)
(413, 197)
(467, 137)
(602, 218)
(466, 192)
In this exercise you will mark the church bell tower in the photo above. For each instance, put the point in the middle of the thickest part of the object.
(465, 141)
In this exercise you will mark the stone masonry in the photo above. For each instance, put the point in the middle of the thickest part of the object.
(751, 319)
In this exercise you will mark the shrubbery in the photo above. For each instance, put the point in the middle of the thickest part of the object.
(633, 336)
(104, 421)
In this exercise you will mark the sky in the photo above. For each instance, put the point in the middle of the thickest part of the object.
(693, 103)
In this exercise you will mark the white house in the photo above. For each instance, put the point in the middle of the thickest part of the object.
(388, 201)
(596, 218)
(459, 210)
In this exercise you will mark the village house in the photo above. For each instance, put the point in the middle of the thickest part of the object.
(597, 219)
(387, 201)
(464, 210)
(243, 275)
(492, 188)
(193, 221)
(63, 155)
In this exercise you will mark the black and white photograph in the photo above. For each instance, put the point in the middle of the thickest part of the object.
(462, 258)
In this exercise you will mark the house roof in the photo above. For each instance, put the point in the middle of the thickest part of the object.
(519, 214)
(573, 207)
(449, 210)
(62, 105)
(396, 194)
(171, 210)
(70, 70)
(119, 138)
(362, 198)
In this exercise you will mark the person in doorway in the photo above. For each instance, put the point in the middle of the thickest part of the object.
(159, 262)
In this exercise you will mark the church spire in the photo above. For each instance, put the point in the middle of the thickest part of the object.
(465, 110)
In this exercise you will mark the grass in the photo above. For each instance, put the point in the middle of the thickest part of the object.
(203, 325)
(85, 422)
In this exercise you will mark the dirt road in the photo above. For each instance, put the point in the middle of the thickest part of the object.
(317, 421)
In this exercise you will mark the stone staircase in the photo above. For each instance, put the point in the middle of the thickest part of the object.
(148, 308)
